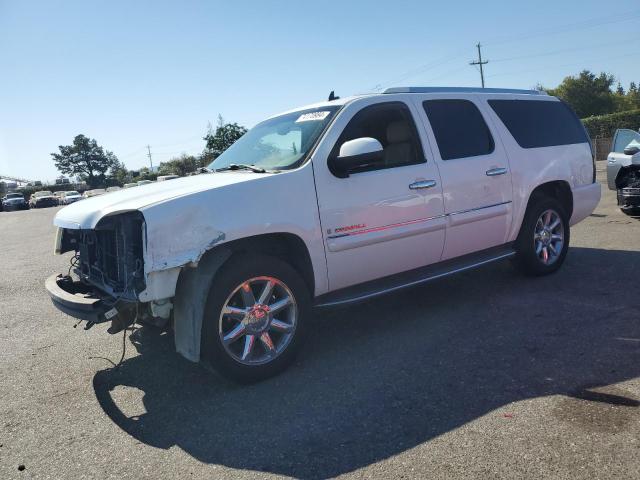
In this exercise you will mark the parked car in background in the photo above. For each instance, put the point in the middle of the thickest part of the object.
(144, 182)
(113, 189)
(43, 198)
(14, 201)
(70, 197)
(129, 185)
(59, 195)
(164, 178)
(94, 193)
(623, 170)
(326, 205)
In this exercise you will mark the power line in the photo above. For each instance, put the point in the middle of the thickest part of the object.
(189, 140)
(415, 71)
(588, 23)
(481, 63)
(546, 67)
(626, 41)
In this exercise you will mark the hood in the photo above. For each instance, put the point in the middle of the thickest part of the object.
(86, 214)
(14, 200)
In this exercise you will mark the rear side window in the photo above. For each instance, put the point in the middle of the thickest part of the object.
(539, 123)
(459, 128)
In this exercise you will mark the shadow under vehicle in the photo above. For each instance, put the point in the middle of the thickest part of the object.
(419, 363)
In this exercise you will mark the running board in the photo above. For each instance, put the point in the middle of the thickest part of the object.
(381, 286)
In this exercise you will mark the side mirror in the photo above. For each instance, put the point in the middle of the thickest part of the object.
(355, 153)
(631, 150)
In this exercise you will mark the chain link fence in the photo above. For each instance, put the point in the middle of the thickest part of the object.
(601, 147)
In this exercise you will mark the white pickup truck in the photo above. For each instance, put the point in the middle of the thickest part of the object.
(329, 204)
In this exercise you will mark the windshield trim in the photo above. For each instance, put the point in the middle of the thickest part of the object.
(303, 161)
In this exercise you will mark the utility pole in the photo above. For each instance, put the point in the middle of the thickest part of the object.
(481, 63)
(149, 155)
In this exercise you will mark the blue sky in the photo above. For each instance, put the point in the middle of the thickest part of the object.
(136, 73)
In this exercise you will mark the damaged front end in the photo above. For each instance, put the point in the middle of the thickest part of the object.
(106, 274)
(628, 188)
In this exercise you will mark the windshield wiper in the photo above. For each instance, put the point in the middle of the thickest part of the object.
(241, 166)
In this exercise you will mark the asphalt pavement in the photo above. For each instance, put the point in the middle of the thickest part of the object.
(486, 374)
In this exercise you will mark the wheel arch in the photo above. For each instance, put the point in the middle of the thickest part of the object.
(558, 189)
(193, 284)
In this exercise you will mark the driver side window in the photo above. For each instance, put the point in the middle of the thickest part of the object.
(393, 126)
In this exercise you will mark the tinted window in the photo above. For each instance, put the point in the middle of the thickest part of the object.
(539, 123)
(459, 128)
(393, 126)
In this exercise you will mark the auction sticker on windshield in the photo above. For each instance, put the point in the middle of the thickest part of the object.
(313, 116)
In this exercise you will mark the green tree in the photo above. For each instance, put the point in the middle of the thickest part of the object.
(633, 97)
(144, 174)
(222, 138)
(587, 93)
(182, 165)
(86, 159)
(119, 174)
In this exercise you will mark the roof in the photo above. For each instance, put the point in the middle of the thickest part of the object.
(344, 100)
(337, 102)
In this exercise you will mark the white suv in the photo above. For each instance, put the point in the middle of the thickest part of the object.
(329, 204)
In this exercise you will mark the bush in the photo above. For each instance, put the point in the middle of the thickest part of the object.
(604, 126)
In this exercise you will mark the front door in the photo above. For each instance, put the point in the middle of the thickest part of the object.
(617, 158)
(476, 180)
(387, 217)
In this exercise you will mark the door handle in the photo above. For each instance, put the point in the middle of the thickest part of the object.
(496, 171)
(423, 184)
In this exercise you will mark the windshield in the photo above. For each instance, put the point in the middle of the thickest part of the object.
(279, 143)
(70, 194)
(14, 195)
(45, 193)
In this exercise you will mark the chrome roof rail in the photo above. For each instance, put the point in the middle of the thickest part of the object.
(461, 90)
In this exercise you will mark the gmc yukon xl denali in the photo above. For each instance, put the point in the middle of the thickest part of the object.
(325, 205)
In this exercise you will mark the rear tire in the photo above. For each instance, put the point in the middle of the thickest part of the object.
(543, 241)
(255, 318)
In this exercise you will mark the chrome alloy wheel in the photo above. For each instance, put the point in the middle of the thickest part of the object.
(549, 237)
(258, 320)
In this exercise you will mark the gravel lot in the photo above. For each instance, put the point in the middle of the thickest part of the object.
(487, 374)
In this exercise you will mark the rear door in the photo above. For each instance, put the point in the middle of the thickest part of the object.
(476, 180)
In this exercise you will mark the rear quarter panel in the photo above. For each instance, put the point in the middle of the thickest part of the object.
(531, 167)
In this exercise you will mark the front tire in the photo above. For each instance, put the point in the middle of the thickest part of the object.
(255, 318)
(543, 241)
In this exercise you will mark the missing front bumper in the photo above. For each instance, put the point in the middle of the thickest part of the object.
(84, 303)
